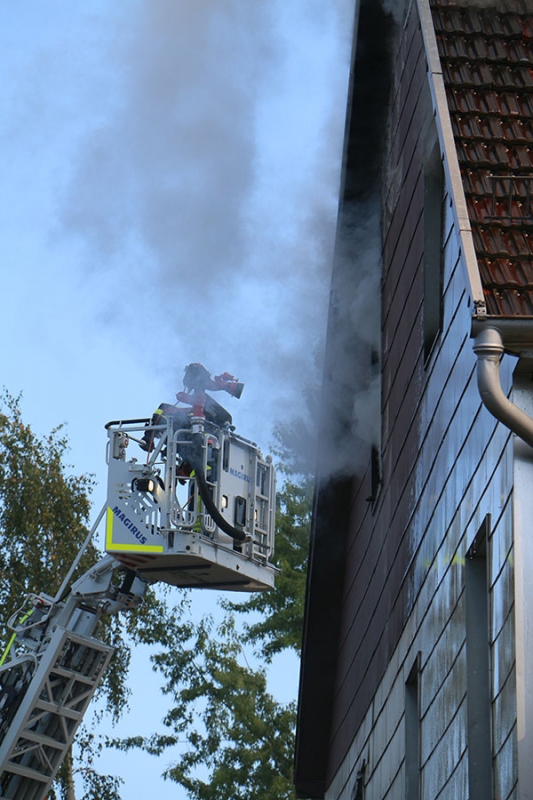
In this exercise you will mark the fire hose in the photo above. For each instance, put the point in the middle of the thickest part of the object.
(197, 463)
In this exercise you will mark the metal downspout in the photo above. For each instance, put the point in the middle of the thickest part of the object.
(488, 346)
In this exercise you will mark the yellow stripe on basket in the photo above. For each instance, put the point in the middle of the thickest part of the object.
(130, 548)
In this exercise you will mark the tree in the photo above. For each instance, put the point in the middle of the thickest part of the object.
(44, 512)
(280, 625)
(237, 741)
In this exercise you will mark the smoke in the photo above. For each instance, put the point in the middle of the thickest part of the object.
(396, 8)
(352, 393)
(351, 433)
(208, 196)
(173, 165)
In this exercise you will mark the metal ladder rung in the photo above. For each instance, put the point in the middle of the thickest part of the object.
(26, 772)
(43, 739)
(63, 672)
(55, 708)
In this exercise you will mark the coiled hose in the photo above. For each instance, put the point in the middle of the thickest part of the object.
(197, 463)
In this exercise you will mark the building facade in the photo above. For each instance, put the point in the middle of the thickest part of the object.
(415, 679)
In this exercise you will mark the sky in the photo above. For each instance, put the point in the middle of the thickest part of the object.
(169, 193)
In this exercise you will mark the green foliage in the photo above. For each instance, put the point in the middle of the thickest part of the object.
(281, 610)
(95, 786)
(238, 740)
(43, 510)
(235, 739)
(43, 522)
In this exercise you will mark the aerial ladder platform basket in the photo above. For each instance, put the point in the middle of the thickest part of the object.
(198, 511)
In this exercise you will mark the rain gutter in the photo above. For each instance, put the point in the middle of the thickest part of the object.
(491, 341)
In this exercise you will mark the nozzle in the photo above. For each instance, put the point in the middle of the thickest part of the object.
(229, 384)
(198, 379)
(235, 389)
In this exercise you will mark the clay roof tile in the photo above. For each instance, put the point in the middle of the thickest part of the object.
(487, 57)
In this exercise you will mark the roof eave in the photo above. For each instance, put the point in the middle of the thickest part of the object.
(450, 160)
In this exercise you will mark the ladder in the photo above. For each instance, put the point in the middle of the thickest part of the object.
(48, 714)
(54, 666)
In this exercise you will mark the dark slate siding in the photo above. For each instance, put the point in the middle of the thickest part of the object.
(364, 146)
(377, 594)
(434, 436)
(396, 562)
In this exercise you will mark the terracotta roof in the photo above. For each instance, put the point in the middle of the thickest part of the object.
(487, 63)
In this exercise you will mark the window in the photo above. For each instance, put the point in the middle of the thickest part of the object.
(433, 235)
(412, 733)
(375, 455)
(358, 792)
(478, 695)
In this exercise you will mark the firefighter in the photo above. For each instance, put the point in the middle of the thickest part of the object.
(180, 419)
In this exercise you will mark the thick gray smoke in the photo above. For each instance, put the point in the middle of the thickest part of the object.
(208, 197)
(173, 165)
(352, 404)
